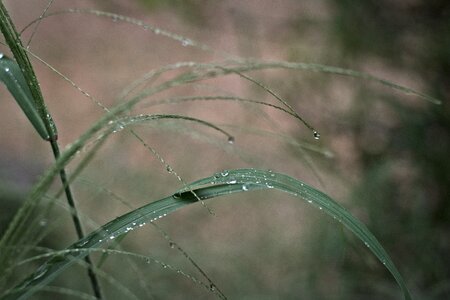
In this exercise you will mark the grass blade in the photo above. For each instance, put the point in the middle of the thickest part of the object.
(12, 77)
(224, 183)
(15, 44)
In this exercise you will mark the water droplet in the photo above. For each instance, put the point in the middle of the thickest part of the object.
(118, 128)
(172, 245)
(245, 187)
(212, 287)
(169, 169)
(7, 69)
(316, 134)
(224, 173)
(231, 140)
(232, 181)
(269, 185)
(40, 272)
(82, 243)
(111, 237)
(1, 55)
(186, 42)
(43, 222)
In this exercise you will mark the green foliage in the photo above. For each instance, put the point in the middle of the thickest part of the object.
(22, 81)
(22, 236)
(224, 183)
(11, 76)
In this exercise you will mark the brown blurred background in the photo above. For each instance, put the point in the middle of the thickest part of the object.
(390, 164)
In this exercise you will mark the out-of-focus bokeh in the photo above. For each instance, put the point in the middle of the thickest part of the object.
(390, 161)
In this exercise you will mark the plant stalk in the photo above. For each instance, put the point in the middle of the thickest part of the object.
(14, 42)
(76, 220)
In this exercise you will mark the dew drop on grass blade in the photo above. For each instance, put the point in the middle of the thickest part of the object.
(243, 180)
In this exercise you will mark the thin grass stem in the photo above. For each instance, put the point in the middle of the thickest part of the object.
(76, 221)
(15, 44)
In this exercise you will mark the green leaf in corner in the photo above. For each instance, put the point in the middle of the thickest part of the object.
(12, 77)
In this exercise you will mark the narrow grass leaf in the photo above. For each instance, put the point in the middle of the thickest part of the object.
(14, 42)
(223, 183)
(12, 77)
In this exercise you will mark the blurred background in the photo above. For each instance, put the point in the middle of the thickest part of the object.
(382, 154)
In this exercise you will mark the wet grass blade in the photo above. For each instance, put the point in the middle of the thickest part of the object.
(14, 42)
(11, 76)
(224, 183)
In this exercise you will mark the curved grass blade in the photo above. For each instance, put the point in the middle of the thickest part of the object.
(258, 65)
(224, 183)
(15, 45)
(255, 65)
(117, 17)
(12, 77)
(111, 280)
(19, 233)
(126, 121)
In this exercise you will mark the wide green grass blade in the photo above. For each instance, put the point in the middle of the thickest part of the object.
(224, 183)
(14, 42)
(12, 77)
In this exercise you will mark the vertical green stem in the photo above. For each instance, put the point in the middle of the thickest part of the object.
(15, 44)
(76, 221)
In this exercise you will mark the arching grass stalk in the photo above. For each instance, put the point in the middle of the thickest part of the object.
(197, 73)
(220, 184)
(18, 231)
(15, 44)
(202, 71)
